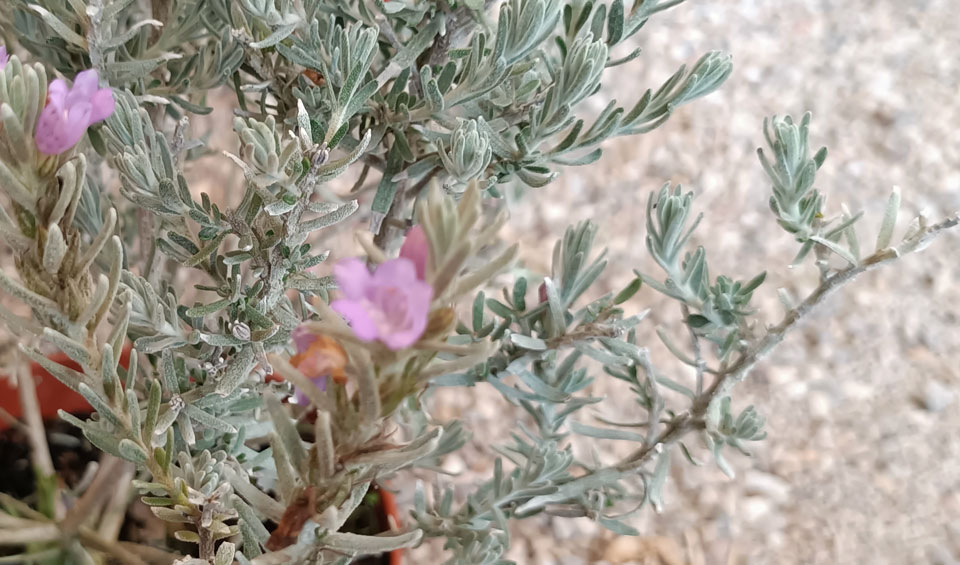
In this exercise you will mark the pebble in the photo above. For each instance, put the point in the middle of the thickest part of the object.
(755, 508)
(940, 555)
(937, 396)
(767, 485)
(797, 389)
(820, 404)
(655, 550)
(858, 390)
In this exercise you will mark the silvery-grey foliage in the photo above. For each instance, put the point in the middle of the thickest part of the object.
(438, 106)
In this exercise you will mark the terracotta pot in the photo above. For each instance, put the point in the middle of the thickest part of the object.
(51, 393)
(375, 518)
(391, 510)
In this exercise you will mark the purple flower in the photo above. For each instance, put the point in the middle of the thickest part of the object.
(70, 111)
(392, 303)
(3, 57)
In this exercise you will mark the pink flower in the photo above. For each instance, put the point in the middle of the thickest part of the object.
(3, 57)
(70, 111)
(417, 249)
(392, 303)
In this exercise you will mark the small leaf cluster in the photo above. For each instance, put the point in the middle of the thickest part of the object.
(721, 307)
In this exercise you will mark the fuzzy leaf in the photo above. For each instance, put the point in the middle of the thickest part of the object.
(369, 545)
(889, 220)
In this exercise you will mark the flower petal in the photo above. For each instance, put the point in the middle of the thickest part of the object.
(57, 93)
(398, 272)
(419, 296)
(303, 338)
(352, 277)
(355, 311)
(401, 340)
(85, 85)
(408, 331)
(417, 249)
(103, 105)
(314, 364)
(58, 131)
(302, 399)
(325, 356)
(70, 111)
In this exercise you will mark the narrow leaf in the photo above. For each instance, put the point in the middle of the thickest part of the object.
(889, 220)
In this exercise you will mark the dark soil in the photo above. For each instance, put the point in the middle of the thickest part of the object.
(370, 518)
(70, 451)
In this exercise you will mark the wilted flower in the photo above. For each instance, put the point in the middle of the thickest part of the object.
(318, 357)
(392, 303)
(70, 111)
(3, 57)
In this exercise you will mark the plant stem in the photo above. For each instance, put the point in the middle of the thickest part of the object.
(114, 512)
(293, 235)
(206, 542)
(92, 540)
(695, 342)
(460, 23)
(96, 494)
(37, 437)
(39, 451)
(738, 371)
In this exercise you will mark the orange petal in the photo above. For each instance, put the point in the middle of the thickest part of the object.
(324, 357)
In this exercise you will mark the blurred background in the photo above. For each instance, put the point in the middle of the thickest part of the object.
(862, 460)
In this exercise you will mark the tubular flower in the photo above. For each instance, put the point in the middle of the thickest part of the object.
(392, 303)
(70, 111)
